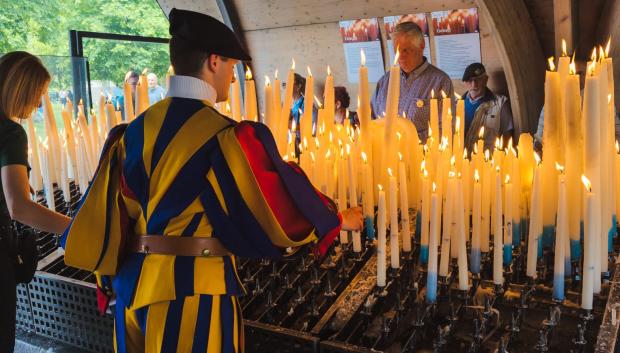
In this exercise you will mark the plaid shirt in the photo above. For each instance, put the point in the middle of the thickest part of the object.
(415, 94)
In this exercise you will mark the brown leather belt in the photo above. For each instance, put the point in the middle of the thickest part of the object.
(177, 245)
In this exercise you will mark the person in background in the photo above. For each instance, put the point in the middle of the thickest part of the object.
(343, 100)
(23, 81)
(131, 77)
(156, 92)
(417, 79)
(485, 108)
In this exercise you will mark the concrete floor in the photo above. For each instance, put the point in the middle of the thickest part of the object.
(31, 343)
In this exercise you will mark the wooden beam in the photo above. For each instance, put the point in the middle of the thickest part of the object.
(521, 57)
(563, 25)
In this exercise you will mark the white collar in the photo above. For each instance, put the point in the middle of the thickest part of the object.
(191, 87)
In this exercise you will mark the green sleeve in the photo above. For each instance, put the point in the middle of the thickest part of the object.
(14, 145)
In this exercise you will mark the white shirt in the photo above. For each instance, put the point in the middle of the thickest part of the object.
(192, 88)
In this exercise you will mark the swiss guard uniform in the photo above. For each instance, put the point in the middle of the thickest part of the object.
(178, 193)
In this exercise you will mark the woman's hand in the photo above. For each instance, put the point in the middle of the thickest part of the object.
(352, 219)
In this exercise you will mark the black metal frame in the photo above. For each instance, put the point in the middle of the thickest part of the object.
(77, 51)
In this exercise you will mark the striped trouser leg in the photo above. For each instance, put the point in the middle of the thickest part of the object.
(196, 324)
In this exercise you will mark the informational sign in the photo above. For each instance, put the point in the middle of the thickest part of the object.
(419, 19)
(457, 40)
(358, 35)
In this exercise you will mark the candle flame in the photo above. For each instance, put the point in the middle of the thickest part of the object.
(443, 94)
(591, 68)
(432, 93)
(312, 156)
(476, 176)
(364, 157)
(571, 68)
(601, 55)
(425, 173)
(593, 56)
(309, 72)
(285, 158)
(498, 144)
(451, 174)
(607, 47)
(397, 56)
(227, 107)
(348, 149)
(248, 74)
(609, 98)
(507, 180)
(617, 147)
(293, 64)
(537, 158)
(452, 161)
(457, 125)
(267, 81)
(145, 71)
(294, 125)
(559, 167)
(363, 57)
(458, 96)
(423, 165)
(486, 155)
(481, 133)
(380, 187)
(398, 135)
(328, 154)
(551, 64)
(434, 187)
(329, 71)
(305, 143)
(497, 169)
(475, 149)
(359, 102)
(465, 153)
(400, 156)
(430, 132)
(390, 171)
(586, 183)
(564, 47)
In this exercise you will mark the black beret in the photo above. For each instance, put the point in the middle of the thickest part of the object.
(203, 32)
(473, 71)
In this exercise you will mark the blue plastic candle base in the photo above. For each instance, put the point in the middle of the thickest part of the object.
(516, 234)
(507, 254)
(475, 261)
(575, 249)
(547, 237)
(424, 254)
(370, 228)
(581, 230)
(558, 287)
(431, 287)
(540, 246)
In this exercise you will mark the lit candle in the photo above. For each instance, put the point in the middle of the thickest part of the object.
(342, 193)
(404, 204)
(52, 134)
(269, 118)
(36, 177)
(364, 110)
(431, 277)
(142, 94)
(426, 206)
(329, 173)
(394, 242)
(283, 124)
(306, 119)
(467, 190)
(446, 118)
(460, 113)
(447, 226)
(357, 240)
(277, 103)
(368, 198)
(64, 177)
(47, 180)
(589, 258)
(434, 120)
(535, 231)
(460, 235)
(476, 224)
(393, 94)
(236, 100)
(329, 102)
(498, 275)
(486, 204)
(381, 227)
(508, 219)
(560, 239)
(250, 97)
(128, 102)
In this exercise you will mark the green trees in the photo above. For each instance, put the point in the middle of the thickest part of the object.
(41, 27)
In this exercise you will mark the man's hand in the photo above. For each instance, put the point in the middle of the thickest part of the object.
(352, 219)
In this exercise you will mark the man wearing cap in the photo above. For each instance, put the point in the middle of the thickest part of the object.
(182, 190)
(484, 108)
(418, 79)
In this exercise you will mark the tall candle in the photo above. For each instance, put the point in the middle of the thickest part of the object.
(277, 103)
(368, 207)
(486, 204)
(434, 119)
(142, 95)
(404, 205)
(460, 236)
(391, 110)
(285, 113)
(64, 177)
(592, 161)
(446, 118)
(128, 102)
(509, 187)
(250, 97)
(364, 110)
(47, 180)
(36, 177)
(605, 149)
(54, 143)
(467, 190)
(329, 102)
(561, 236)
(342, 193)
(306, 119)
(269, 119)
(236, 101)
(476, 220)
(460, 113)
(431, 277)
(535, 230)
(589, 258)
(426, 207)
(357, 240)
(394, 241)
(381, 228)
(574, 161)
(446, 233)
(498, 275)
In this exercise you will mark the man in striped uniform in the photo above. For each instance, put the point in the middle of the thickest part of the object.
(178, 193)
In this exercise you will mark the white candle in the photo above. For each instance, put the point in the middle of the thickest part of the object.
(404, 205)
(357, 239)
(47, 180)
(381, 228)
(128, 102)
(476, 220)
(431, 278)
(561, 237)
(36, 177)
(142, 95)
(589, 260)
(426, 206)
(498, 275)
(574, 161)
(285, 112)
(446, 118)
(535, 230)
(394, 241)
(486, 204)
(269, 119)
(434, 120)
(342, 193)
(445, 236)
(367, 194)
(508, 219)
(364, 110)
(306, 119)
(277, 103)
(329, 102)
(54, 143)
(250, 97)
(460, 236)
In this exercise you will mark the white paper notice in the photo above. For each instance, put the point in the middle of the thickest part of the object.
(358, 35)
(457, 40)
(419, 19)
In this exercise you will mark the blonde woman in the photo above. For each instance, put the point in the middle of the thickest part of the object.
(23, 81)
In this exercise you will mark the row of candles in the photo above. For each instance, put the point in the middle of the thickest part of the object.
(502, 190)
(385, 165)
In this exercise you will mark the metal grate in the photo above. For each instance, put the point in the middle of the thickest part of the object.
(24, 317)
(264, 338)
